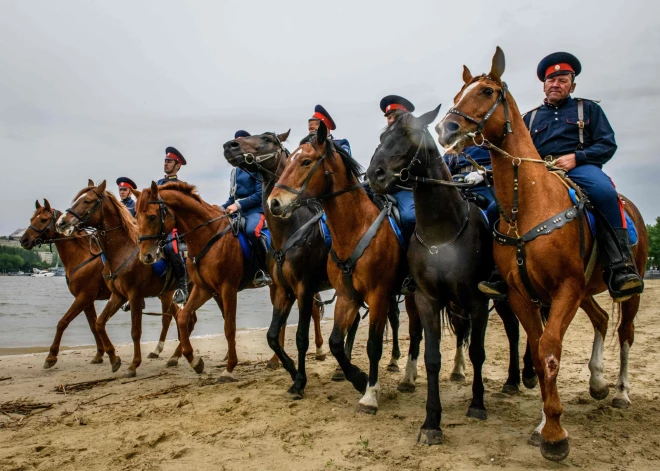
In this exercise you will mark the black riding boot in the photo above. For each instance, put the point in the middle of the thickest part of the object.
(620, 274)
(261, 277)
(179, 272)
(495, 288)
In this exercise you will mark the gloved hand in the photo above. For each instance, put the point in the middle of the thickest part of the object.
(474, 178)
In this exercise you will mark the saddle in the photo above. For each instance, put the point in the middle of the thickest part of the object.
(381, 201)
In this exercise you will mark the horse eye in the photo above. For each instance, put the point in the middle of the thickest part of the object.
(44, 219)
(306, 163)
(488, 91)
(152, 217)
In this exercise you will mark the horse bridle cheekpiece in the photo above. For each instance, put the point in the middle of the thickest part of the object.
(501, 98)
(82, 220)
(163, 211)
(54, 215)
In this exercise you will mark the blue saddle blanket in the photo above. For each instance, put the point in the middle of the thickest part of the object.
(246, 247)
(632, 230)
(328, 238)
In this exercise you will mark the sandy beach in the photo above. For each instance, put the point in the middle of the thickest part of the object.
(252, 423)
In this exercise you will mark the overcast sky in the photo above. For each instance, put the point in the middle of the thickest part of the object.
(99, 89)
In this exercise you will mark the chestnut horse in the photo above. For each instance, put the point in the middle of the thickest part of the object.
(372, 270)
(486, 113)
(448, 256)
(215, 259)
(115, 236)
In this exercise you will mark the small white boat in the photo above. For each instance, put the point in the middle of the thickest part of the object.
(42, 273)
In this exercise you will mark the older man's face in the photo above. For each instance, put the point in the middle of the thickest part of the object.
(558, 87)
(124, 193)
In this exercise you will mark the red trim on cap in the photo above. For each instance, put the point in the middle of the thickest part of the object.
(324, 118)
(559, 67)
(395, 106)
(174, 157)
(124, 185)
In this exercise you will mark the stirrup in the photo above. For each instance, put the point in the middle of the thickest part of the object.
(495, 290)
(180, 296)
(408, 286)
(261, 278)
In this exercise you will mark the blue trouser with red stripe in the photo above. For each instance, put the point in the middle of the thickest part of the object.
(601, 192)
(253, 224)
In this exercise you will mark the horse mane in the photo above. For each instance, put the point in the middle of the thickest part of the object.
(352, 166)
(127, 220)
(181, 187)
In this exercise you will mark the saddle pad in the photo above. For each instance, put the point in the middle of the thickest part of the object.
(397, 232)
(160, 267)
(325, 231)
(632, 230)
(246, 248)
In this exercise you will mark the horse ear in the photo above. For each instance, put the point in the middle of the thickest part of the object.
(154, 189)
(284, 136)
(497, 69)
(467, 75)
(136, 193)
(101, 187)
(321, 133)
(428, 117)
(90, 182)
(37, 205)
(46, 205)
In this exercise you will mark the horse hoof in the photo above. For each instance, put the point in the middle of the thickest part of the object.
(535, 439)
(273, 364)
(477, 413)
(364, 409)
(116, 365)
(296, 393)
(97, 360)
(429, 437)
(320, 357)
(620, 403)
(406, 388)
(130, 374)
(555, 451)
(226, 379)
(530, 383)
(393, 368)
(172, 362)
(510, 389)
(49, 363)
(152, 355)
(599, 395)
(338, 375)
(197, 365)
(457, 378)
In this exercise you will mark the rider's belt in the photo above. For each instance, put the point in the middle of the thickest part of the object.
(467, 169)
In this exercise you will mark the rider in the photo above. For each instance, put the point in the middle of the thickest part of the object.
(245, 198)
(125, 184)
(173, 162)
(576, 134)
(320, 114)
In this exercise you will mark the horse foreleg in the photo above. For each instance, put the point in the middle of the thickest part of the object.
(345, 319)
(512, 329)
(136, 334)
(393, 313)
(429, 310)
(76, 308)
(407, 383)
(477, 352)
(90, 314)
(185, 320)
(111, 307)
(626, 332)
(282, 303)
(228, 302)
(339, 375)
(305, 307)
(461, 324)
(318, 335)
(379, 308)
(598, 386)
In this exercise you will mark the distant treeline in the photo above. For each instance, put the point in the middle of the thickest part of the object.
(654, 243)
(15, 258)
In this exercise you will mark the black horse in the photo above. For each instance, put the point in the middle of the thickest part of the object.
(450, 252)
(298, 257)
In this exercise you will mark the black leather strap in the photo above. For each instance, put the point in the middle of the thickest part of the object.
(198, 258)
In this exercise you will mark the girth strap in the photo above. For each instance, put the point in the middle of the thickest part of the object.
(86, 262)
(198, 258)
(113, 275)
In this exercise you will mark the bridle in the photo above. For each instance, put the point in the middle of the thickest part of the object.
(54, 215)
(82, 220)
(257, 160)
(163, 211)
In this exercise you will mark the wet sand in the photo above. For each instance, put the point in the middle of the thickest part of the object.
(253, 424)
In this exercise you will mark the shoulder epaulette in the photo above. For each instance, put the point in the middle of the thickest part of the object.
(527, 112)
(587, 99)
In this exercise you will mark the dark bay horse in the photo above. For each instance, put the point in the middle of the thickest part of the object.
(115, 236)
(553, 263)
(372, 270)
(215, 259)
(450, 252)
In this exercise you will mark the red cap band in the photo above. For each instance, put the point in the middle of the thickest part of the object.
(124, 185)
(173, 157)
(395, 106)
(559, 67)
(323, 118)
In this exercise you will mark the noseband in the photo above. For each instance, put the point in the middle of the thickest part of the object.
(51, 225)
(501, 98)
(82, 220)
(163, 210)
(256, 160)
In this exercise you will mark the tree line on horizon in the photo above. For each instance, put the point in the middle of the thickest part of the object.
(13, 259)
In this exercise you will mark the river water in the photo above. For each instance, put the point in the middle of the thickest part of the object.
(30, 309)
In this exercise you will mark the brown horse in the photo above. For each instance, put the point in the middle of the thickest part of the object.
(483, 112)
(215, 258)
(115, 236)
(362, 270)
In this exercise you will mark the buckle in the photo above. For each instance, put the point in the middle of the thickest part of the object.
(580, 124)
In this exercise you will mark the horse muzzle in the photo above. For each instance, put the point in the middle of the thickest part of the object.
(380, 179)
(280, 208)
(63, 226)
(449, 132)
(149, 257)
(27, 243)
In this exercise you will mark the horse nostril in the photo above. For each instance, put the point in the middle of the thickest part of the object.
(274, 205)
(380, 173)
(451, 127)
(234, 144)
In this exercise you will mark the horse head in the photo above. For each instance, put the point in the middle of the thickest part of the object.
(263, 153)
(155, 221)
(85, 211)
(42, 226)
(481, 109)
(402, 145)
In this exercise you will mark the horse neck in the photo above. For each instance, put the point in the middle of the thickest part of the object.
(439, 209)
(117, 240)
(71, 251)
(349, 215)
(189, 214)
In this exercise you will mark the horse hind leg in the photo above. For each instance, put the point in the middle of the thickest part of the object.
(282, 304)
(339, 375)
(346, 319)
(461, 325)
(74, 310)
(90, 314)
(110, 309)
(317, 311)
(512, 329)
(305, 307)
(393, 317)
(136, 335)
(166, 320)
(407, 383)
(477, 353)
(626, 333)
(378, 315)
(598, 387)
